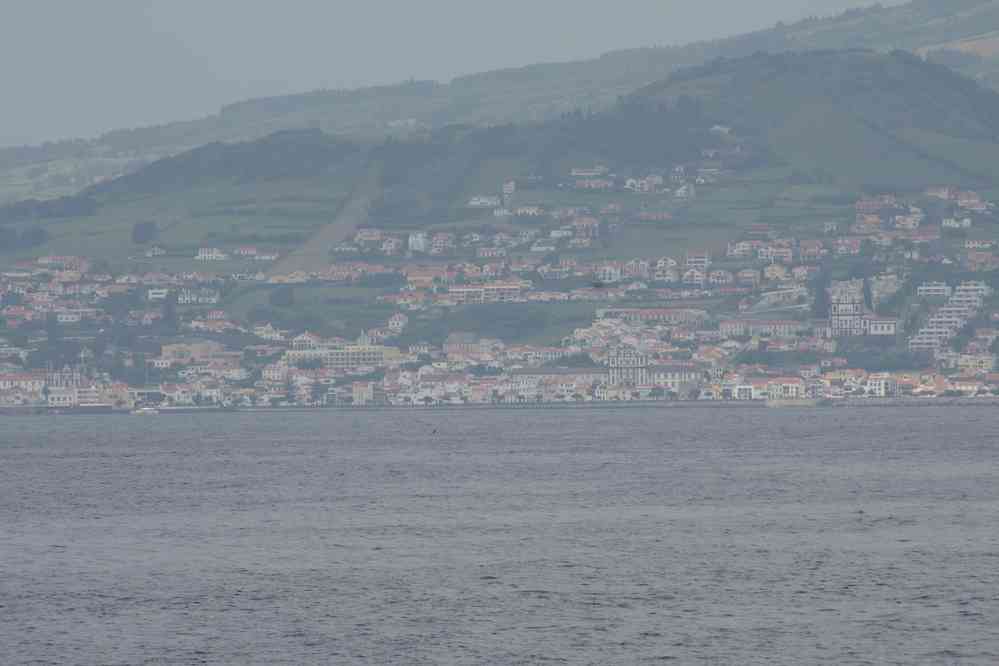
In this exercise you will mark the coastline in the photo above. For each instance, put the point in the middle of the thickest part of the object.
(847, 403)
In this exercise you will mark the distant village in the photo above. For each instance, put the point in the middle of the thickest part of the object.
(897, 302)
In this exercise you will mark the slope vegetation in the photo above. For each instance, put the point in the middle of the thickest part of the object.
(855, 118)
(842, 121)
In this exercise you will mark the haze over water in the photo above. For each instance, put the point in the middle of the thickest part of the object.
(631, 536)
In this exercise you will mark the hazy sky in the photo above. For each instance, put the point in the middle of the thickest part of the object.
(73, 68)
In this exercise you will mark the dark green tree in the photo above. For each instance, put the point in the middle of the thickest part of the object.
(144, 232)
(53, 330)
(820, 306)
(318, 393)
(171, 320)
(282, 297)
(11, 298)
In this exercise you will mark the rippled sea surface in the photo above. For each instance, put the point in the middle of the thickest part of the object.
(501, 537)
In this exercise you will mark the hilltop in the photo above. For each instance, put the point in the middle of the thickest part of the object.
(959, 33)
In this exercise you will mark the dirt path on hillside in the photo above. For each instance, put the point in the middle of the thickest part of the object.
(314, 254)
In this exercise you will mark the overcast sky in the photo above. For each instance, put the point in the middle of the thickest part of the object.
(72, 68)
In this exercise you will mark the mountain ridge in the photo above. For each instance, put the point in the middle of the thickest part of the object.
(526, 94)
(810, 33)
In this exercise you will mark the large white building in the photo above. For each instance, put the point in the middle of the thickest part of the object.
(934, 290)
(211, 254)
(700, 260)
(846, 308)
(628, 366)
(418, 242)
(881, 385)
(341, 357)
(961, 307)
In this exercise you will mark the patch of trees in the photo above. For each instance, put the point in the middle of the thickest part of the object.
(144, 232)
(382, 281)
(777, 359)
(423, 178)
(293, 321)
(963, 337)
(821, 304)
(268, 106)
(54, 355)
(287, 238)
(953, 58)
(10, 298)
(507, 322)
(400, 160)
(404, 206)
(33, 209)
(639, 133)
(12, 241)
(17, 156)
(873, 360)
(170, 321)
(580, 360)
(282, 297)
(484, 371)
(119, 305)
(286, 154)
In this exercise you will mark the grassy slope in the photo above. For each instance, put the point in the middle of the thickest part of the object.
(273, 193)
(268, 216)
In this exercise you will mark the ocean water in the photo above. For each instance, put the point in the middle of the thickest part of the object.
(864, 536)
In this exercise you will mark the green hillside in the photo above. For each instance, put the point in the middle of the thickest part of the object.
(856, 119)
(806, 128)
(275, 192)
(959, 33)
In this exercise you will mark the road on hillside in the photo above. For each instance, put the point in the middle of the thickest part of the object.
(314, 254)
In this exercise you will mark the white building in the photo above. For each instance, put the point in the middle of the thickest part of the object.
(157, 294)
(211, 254)
(846, 308)
(881, 385)
(934, 290)
(418, 242)
(484, 202)
(608, 273)
(881, 326)
(955, 223)
(698, 260)
(397, 322)
(62, 397)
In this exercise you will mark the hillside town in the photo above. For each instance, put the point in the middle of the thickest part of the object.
(898, 301)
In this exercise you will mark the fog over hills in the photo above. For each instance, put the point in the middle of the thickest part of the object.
(956, 33)
(132, 63)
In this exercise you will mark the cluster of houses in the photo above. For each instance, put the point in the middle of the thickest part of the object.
(740, 323)
(440, 244)
(552, 228)
(680, 182)
(209, 254)
(624, 355)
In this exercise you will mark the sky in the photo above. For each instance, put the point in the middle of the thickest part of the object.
(74, 68)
